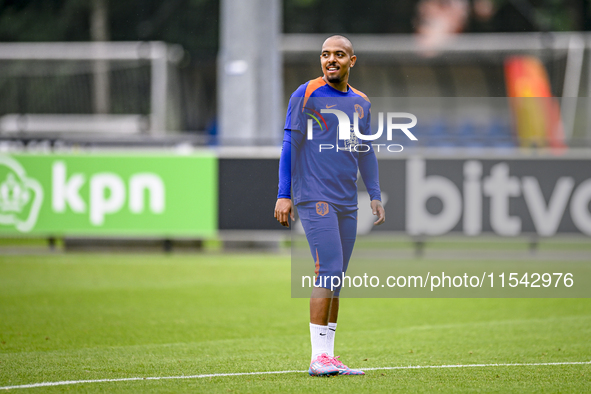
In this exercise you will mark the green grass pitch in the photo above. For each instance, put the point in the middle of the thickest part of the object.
(107, 316)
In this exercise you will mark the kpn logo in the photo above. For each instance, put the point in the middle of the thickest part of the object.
(21, 197)
(107, 193)
(96, 195)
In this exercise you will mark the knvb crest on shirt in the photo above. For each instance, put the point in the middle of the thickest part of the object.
(321, 208)
(359, 111)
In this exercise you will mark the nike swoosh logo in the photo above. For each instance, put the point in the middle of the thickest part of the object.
(322, 335)
(327, 106)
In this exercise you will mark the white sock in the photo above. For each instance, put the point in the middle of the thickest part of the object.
(318, 336)
(332, 328)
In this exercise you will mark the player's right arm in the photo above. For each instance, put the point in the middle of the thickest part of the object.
(292, 139)
(284, 211)
(284, 206)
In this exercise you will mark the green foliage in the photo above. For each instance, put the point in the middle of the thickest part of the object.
(195, 23)
(191, 23)
(332, 16)
(44, 20)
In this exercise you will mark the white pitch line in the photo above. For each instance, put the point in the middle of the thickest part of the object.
(478, 365)
(215, 375)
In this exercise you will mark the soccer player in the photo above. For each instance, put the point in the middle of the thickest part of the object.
(324, 181)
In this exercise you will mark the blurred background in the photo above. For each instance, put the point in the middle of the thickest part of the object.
(87, 84)
(155, 126)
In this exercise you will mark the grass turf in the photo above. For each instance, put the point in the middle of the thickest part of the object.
(96, 316)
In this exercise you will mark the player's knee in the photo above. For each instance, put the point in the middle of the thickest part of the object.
(330, 280)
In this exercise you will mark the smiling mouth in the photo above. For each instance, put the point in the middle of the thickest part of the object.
(332, 69)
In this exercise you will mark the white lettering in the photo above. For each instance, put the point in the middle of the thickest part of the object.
(344, 123)
(579, 207)
(310, 128)
(155, 187)
(500, 186)
(357, 148)
(368, 137)
(66, 191)
(546, 218)
(99, 203)
(378, 145)
(420, 189)
(472, 198)
(402, 126)
(395, 145)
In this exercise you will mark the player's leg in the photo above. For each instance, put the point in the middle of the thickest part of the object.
(334, 310)
(320, 224)
(320, 305)
(348, 234)
(332, 324)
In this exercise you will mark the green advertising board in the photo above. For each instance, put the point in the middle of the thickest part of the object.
(108, 195)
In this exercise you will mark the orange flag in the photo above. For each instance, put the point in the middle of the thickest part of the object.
(536, 113)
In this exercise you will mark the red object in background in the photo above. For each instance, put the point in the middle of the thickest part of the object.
(536, 112)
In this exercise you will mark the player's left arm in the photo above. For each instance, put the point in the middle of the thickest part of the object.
(368, 167)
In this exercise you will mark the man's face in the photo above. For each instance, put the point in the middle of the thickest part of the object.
(336, 59)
